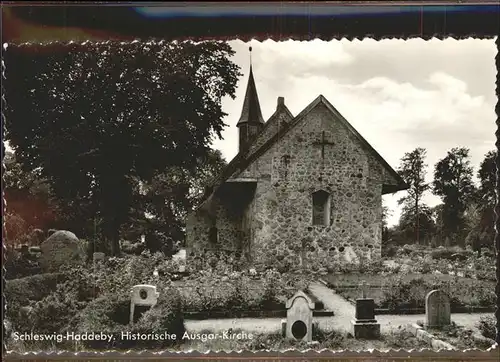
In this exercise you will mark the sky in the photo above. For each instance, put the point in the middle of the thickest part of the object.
(398, 94)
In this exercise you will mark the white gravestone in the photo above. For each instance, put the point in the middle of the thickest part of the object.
(437, 310)
(142, 295)
(299, 317)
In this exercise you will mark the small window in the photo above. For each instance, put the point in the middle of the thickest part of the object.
(321, 208)
(213, 235)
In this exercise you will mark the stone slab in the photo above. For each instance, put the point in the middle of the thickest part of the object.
(365, 330)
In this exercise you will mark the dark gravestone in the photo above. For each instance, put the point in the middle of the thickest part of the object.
(365, 325)
(365, 309)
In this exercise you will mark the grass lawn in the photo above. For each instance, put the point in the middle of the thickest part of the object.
(347, 285)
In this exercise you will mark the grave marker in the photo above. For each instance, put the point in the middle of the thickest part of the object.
(437, 310)
(299, 317)
(142, 295)
(365, 325)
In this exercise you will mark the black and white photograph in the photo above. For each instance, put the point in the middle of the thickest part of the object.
(250, 195)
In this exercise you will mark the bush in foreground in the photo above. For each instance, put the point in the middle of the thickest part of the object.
(487, 327)
(110, 314)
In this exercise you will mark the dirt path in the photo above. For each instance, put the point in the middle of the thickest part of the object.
(343, 310)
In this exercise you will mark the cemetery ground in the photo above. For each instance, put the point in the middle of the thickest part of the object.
(94, 297)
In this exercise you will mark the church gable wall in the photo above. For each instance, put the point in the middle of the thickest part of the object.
(290, 171)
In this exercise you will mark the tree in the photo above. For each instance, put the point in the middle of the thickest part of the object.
(480, 214)
(29, 200)
(453, 183)
(171, 195)
(423, 221)
(412, 170)
(94, 117)
(487, 180)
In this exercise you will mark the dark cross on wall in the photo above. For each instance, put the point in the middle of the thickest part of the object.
(322, 143)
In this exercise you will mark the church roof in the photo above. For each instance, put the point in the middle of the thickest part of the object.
(251, 112)
(243, 159)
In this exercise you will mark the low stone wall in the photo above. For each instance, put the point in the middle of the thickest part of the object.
(423, 335)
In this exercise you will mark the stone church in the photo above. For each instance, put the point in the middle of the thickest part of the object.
(304, 189)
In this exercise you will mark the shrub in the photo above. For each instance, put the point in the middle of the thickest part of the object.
(451, 253)
(400, 294)
(36, 287)
(406, 249)
(209, 291)
(45, 302)
(107, 314)
(487, 327)
(96, 245)
(52, 314)
(132, 248)
(21, 264)
(166, 316)
(110, 314)
(404, 295)
(390, 251)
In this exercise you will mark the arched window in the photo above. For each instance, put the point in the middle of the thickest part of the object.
(321, 208)
(213, 235)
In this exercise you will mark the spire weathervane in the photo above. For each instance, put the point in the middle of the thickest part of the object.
(250, 51)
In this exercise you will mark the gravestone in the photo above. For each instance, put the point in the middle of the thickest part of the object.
(299, 317)
(142, 295)
(437, 310)
(365, 325)
(99, 256)
(61, 248)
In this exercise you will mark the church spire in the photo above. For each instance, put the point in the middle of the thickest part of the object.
(251, 112)
(251, 121)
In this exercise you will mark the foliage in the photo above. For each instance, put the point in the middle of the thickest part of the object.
(243, 291)
(42, 314)
(450, 253)
(36, 287)
(487, 327)
(95, 245)
(480, 214)
(487, 178)
(29, 199)
(400, 294)
(20, 264)
(23, 292)
(128, 123)
(453, 183)
(170, 195)
(416, 228)
(110, 314)
(386, 213)
(412, 170)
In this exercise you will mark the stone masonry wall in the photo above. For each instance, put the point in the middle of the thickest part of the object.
(273, 125)
(228, 222)
(281, 214)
